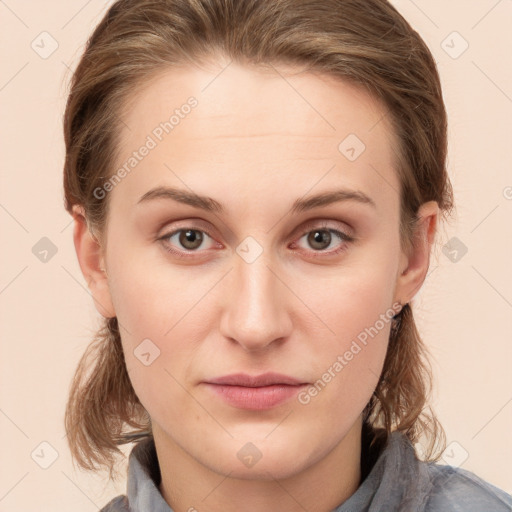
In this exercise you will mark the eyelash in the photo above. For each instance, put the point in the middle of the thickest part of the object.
(306, 230)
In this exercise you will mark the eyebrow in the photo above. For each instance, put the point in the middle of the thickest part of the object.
(211, 205)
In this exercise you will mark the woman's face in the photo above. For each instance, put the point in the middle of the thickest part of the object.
(259, 277)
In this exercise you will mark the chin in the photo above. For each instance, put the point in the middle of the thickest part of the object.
(259, 460)
(269, 469)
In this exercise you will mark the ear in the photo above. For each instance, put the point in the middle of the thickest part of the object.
(90, 258)
(414, 266)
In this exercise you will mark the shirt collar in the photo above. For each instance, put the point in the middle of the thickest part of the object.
(395, 482)
(143, 479)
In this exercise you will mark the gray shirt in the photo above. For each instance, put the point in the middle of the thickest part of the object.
(398, 481)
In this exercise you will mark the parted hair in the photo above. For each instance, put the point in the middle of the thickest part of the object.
(364, 42)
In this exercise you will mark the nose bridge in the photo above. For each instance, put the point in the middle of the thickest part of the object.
(255, 313)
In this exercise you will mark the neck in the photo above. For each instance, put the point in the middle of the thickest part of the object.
(187, 485)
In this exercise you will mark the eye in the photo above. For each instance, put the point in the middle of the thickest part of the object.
(322, 237)
(187, 239)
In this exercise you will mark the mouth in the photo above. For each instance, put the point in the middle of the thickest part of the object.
(255, 392)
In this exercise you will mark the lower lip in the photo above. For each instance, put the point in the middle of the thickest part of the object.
(264, 397)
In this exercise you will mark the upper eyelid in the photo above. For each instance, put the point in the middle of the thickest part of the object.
(202, 225)
(195, 224)
(306, 227)
(325, 224)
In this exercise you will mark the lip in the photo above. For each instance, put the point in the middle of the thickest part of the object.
(257, 392)
(253, 381)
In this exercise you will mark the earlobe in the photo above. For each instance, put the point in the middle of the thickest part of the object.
(415, 267)
(91, 261)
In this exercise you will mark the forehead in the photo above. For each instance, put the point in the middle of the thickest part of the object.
(254, 129)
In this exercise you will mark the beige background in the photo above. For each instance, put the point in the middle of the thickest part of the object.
(47, 315)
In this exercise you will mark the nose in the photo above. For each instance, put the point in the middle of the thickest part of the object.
(256, 312)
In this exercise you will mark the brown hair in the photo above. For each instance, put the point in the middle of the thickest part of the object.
(365, 42)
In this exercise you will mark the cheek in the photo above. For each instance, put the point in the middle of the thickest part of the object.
(347, 369)
(157, 364)
(357, 310)
(355, 298)
(150, 294)
(159, 329)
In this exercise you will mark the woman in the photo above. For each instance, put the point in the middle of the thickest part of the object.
(256, 187)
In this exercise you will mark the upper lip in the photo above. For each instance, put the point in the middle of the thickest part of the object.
(254, 381)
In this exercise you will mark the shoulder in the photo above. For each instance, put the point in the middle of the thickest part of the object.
(456, 489)
(118, 504)
(432, 487)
